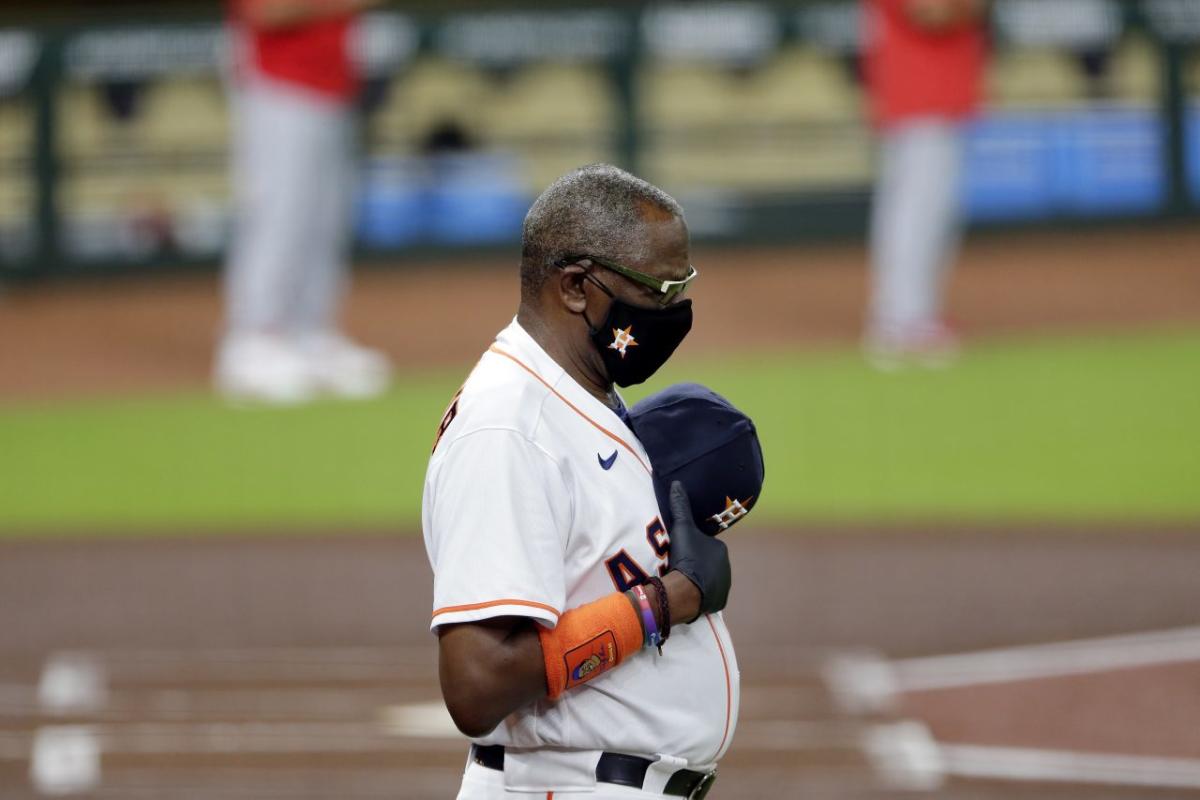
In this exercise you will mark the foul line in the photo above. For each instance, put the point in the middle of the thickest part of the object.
(1031, 662)
(1064, 766)
(282, 665)
(906, 757)
(864, 682)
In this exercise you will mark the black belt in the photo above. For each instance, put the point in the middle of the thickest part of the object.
(617, 768)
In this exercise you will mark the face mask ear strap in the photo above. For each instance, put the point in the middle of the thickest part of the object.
(587, 276)
(592, 331)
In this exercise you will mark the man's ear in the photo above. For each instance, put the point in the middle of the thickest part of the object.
(569, 283)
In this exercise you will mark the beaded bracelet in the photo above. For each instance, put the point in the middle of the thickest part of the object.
(648, 621)
(664, 609)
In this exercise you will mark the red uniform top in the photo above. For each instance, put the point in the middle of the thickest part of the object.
(913, 72)
(314, 55)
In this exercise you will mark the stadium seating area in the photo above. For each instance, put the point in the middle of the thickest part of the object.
(788, 121)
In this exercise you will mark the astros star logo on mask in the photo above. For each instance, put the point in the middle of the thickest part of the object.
(622, 340)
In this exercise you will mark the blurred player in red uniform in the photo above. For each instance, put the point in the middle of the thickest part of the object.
(294, 89)
(924, 65)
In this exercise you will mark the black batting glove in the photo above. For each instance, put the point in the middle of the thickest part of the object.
(702, 558)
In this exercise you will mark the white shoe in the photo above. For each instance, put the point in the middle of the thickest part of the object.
(345, 369)
(260, 368)
(933, 345)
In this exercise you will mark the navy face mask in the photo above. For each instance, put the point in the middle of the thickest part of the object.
(634, 341)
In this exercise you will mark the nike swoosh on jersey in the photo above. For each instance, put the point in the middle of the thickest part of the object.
(606, 463)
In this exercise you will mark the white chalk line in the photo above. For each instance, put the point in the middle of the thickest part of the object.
(1057, 659)
(255, 738)
(67, 758)
(905, 755)
(355, 656)
(860, 682)
(283, 665)
(186, 703)
(1063, 766)
(865, 682)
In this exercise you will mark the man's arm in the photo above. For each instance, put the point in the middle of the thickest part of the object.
(274, 14)
(491, 668)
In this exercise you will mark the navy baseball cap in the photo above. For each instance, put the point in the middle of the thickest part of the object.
(694, 435)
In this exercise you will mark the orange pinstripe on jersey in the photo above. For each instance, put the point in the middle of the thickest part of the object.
(571, 405)
(492, 603)
(728, 686)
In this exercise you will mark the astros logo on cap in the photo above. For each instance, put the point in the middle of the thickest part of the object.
(622, 340)
(734, 510)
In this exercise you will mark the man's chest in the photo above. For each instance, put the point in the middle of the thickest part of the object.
(618, 538)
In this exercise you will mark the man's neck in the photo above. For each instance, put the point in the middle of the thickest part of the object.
(560, 350)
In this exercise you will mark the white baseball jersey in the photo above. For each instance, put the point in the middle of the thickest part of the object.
(538, 499)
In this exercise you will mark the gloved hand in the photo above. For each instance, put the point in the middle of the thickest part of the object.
(703, 559)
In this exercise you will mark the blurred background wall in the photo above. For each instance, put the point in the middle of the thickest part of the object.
(114, 122)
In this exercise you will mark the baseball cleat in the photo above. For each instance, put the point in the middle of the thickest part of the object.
(932, 345)
(342, 368)
(263, 369)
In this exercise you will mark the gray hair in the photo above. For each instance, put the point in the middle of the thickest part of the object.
(597, 210)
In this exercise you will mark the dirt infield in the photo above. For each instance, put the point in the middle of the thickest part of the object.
(303, 668)
(98, 337)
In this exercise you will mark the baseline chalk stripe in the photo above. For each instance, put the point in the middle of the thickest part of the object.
(71, 683)
(905, 756)
(1057, 659)
(419, 720)
(65, 760)
(1062, 766)
(275, 664)
(861, 682)
(249, 738)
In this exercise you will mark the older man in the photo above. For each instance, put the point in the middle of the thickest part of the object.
(553, 569)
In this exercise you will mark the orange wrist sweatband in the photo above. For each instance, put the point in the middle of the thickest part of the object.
(588, 641)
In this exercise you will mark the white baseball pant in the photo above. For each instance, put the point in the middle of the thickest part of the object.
(481, 783)
(293, 177)
(915, 223)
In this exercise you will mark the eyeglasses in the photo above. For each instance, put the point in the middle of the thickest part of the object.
(668, 289)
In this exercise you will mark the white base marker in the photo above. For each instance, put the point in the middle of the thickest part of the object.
(1056, 659)
(905, 756)
(860, 682)
(72, 683)
(65, 759)
(419, 721)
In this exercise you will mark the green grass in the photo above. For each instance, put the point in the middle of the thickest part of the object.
(1078, 429)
